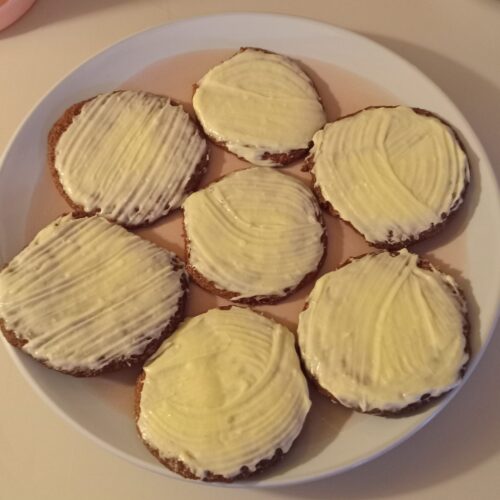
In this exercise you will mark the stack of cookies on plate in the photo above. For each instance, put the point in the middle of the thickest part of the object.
(224, 394)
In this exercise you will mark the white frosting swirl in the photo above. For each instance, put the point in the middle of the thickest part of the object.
(258, 102)
(381, 332)
(129, 155)
(390, 172)
(223, 392)
(86, 292)
(256, 232)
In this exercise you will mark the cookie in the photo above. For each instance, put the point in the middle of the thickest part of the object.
(254, 236)
(396, 174)
(130, 156)
(385, 333)
(261, 106)
(86, 296)
(223, 397)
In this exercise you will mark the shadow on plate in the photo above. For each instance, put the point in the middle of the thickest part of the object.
(323, 424)
(330, 102)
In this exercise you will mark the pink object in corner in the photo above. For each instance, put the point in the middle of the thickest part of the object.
(12, 10)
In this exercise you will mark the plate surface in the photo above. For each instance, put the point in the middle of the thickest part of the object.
(334, 439)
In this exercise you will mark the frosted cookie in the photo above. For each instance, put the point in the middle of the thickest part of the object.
(260, 106)
(385, 333)
(254, 236)
(223, 397)
(130, 156)
(86, 296)
(394, 173)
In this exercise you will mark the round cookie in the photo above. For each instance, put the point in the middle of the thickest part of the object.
(254, 236)
(395, 174)
(86, 296)
(223, 397)
(261, 106)
(385, 333)
(130, 156)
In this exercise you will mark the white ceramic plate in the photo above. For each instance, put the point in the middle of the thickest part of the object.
(334, 440)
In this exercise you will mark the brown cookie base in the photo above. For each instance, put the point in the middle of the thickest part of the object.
(284, 158)
(423, 235)
(179, 467)
(256, 300)
(426, 398)
(63, 123)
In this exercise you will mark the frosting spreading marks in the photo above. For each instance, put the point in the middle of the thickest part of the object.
(129, 156)
(391, 172)
(224, 391)
(381, 332)
(86, 293)
(258, 102)
(255, 233)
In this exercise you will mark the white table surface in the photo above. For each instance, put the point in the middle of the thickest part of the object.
(457, 456)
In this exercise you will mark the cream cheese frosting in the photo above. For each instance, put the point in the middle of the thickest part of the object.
(391, 172)
(129, 155)
(258, 102)
(86, 292)
(224, 391)
(255, 232)
(381, 332)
